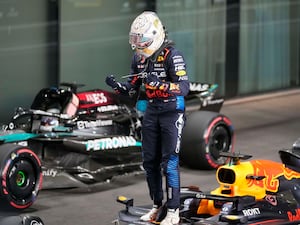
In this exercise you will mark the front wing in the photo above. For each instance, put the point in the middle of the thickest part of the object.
(232, 210)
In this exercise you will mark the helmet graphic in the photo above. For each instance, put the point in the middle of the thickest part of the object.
(147, 34)
(49, 122)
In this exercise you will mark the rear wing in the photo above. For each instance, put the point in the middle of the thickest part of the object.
(202, 96)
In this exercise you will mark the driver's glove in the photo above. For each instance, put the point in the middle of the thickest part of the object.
(111, 81)
(117, 86)
(154, 83)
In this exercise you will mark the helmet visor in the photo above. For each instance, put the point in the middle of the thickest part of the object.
(139, 41)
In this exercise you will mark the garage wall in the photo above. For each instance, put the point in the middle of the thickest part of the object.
(23, 53)
(94, 40)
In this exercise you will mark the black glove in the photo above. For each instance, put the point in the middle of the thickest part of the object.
(117, 86)
(111, 81)
(153, 82)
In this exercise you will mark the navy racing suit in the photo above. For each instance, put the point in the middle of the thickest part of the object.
(166, 83)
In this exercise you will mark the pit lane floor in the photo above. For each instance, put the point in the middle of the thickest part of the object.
(264, 124)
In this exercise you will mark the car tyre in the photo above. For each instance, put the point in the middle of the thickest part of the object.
(205, 135)
(21, 177)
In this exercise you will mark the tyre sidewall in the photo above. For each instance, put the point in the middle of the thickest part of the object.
(198, 134)
(10, 194)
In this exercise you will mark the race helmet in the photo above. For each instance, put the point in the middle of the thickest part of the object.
(147, 34)
(48, 123)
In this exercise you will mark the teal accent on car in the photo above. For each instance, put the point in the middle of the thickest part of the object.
(17, 137)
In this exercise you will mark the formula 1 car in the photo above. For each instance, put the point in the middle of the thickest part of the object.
(249, 192)
(91, 137)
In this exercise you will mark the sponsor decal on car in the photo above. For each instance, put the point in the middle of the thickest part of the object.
(271, 170)
(108, 108)
(97, 98)
(111, 143)
(50, 173)
(23, 143)
(198, 87)
(293, 216)
(200, 195)
(94, 99)
(251, 212)
(210, 101)
(271, 199)
(226, 208)
(95, 123)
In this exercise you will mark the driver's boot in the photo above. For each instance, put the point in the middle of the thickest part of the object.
(172, 217)
(151, 215)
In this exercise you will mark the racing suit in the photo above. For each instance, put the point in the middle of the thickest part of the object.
(166, 84)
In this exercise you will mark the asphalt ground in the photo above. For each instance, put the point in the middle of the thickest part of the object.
(263, 125)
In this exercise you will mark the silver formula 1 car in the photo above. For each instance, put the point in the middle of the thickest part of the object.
(82, 138)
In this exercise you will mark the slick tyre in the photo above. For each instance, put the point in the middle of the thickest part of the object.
(21, 220)
(205, 135)
(21, 177)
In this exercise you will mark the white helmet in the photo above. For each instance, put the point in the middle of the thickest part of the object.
(146, 34)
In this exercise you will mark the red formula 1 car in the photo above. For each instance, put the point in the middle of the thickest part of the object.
(83, 138)
(250, 192)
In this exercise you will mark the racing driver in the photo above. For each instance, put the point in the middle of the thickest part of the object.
(160, 68)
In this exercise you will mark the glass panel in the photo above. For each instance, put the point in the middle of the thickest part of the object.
(94, 39)
(198, 29)
(269, 48)
(23, 53)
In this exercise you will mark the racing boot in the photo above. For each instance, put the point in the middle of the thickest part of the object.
(151, 215)
(172, 217)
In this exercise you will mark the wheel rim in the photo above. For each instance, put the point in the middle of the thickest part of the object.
(22, 179)
(219, 142)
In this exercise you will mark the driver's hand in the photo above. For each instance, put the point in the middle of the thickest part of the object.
(153, 82)
(111, 81)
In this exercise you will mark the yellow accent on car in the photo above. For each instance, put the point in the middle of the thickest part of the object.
(232, 217)
(255, 177)
(122, 198)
